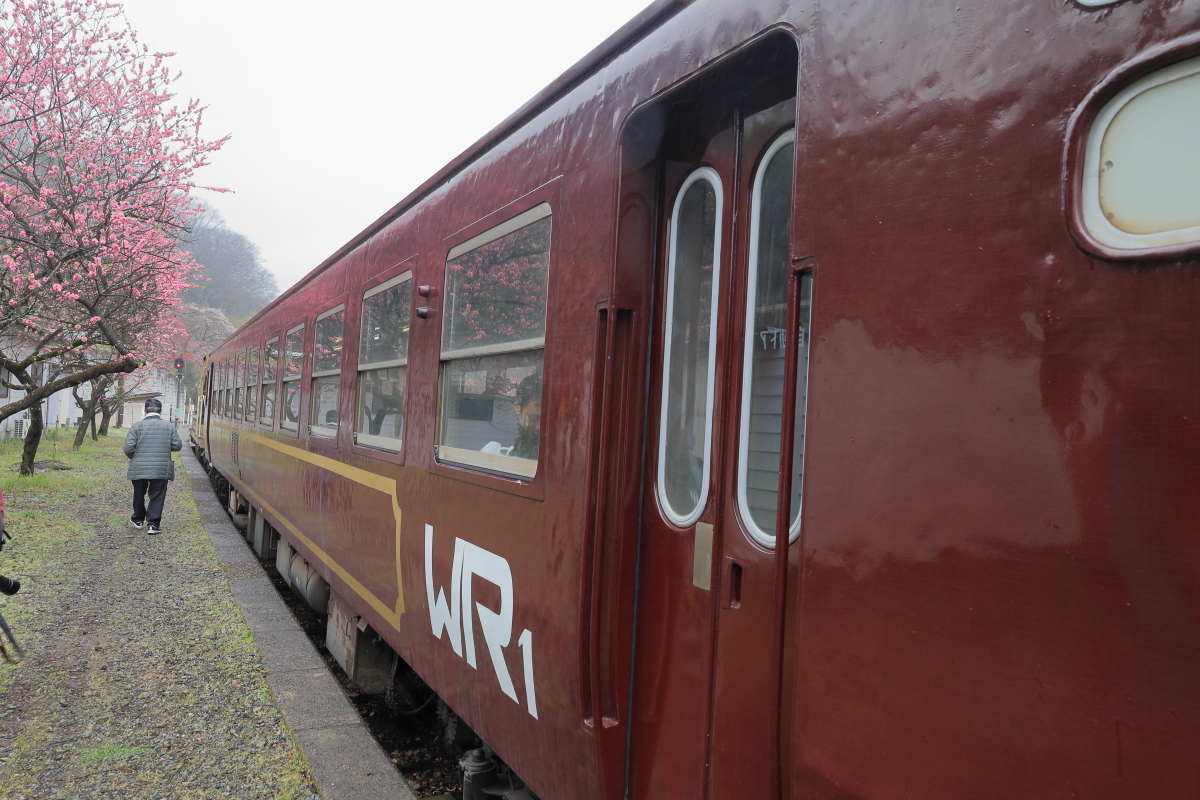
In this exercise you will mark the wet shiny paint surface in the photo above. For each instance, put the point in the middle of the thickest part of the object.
(997, 588)
(1001, 566)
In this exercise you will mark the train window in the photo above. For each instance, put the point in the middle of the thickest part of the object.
(493, 345)
(293, 355)
(266, 409)
(214, 387)
(219, 393)
(1142, 163)
(765, 345)
(293, 358)
(239, 383)
(693, 271)
(229, 381)
(326, 374)
(252, 387)
(383, 363)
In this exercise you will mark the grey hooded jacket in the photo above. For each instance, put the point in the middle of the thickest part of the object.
(149, 445)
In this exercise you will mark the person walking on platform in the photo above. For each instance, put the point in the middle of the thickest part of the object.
(149, 445)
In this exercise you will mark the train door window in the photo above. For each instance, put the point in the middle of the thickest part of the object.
(252, 387)
(693, 272)
(383, 363)
(493, 346)
(293, 360)
(239, 383)
(266, 409)
(1142, 163)
(769, 271)
(326, 373)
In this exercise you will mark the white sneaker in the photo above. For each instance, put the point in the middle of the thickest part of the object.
(135, 523)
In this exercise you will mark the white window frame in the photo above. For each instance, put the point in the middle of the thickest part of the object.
(283, 377)
(764, 538)
(267, 420)
(1094, 220)
(687, 520)
(325, 431)
(366, 439)
(494, 462)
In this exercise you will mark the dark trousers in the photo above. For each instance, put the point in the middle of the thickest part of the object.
(158, 494)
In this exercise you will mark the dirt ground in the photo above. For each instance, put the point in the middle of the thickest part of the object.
(140, 679)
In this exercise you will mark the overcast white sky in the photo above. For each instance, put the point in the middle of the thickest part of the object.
(339, 110)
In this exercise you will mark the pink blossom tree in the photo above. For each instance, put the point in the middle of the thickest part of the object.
(97, 166)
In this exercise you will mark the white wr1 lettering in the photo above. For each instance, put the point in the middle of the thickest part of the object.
(455, 616)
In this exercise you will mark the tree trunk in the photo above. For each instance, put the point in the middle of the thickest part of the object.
(106, 415)
(95, 438)
(33, 437)
(86, 412)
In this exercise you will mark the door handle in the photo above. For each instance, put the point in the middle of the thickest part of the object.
(733, 580)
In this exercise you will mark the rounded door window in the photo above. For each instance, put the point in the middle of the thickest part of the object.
(685, 431)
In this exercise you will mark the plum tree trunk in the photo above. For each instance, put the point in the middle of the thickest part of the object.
(87, 413)
(33, 437)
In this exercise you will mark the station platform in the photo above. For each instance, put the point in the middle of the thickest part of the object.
(346, 762)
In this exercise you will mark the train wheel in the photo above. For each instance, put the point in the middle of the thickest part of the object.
(455, 733)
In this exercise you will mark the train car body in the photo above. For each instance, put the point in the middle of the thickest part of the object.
(530, 424)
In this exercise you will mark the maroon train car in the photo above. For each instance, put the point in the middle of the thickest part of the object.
(917, 282)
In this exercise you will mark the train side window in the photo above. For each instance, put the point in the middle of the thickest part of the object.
(326, 372)
(493, 346)
(229, 383)
(219, 394)
(383, 363)
(293, 360)
(222, 388)
(1142, 163)
(266, 409)
(239, 383)
(693, 272)
(765, 346)
(252, 387)
(214, 401)
(227, 389)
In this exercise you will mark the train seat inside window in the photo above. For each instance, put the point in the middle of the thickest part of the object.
(493, 343)
(1141, 184)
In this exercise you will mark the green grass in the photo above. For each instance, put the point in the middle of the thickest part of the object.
(112, 750)
(139, 675)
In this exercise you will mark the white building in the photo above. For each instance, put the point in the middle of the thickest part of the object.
(61, 410)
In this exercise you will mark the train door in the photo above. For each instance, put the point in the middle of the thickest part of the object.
(708, 650)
